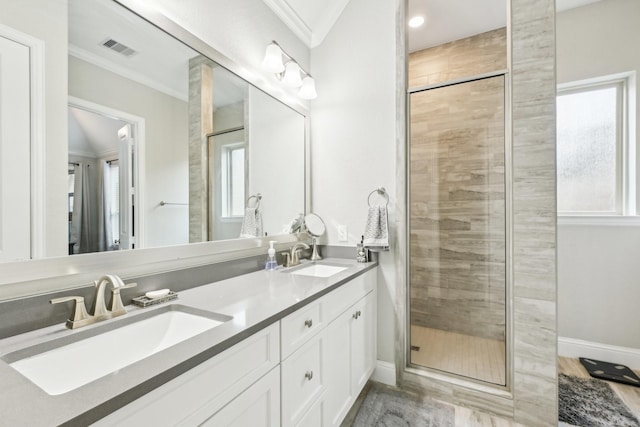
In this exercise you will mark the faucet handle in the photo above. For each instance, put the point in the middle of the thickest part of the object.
(79, 311)
(287, 259)
(117, 308)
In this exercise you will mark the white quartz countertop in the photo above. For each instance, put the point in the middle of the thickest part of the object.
(254, 300)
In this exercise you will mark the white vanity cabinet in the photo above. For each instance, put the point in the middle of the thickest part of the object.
(323, 375)
(305, 370)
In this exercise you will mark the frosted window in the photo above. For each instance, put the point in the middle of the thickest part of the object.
(233, 180)
(589, 176)
(237, 182)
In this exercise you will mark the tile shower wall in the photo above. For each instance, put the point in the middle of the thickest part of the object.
(457, 188)
(531, 397)
(482, 53)
(457, 210)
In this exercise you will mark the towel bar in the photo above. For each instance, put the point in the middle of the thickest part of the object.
(256, 196)
(382, 192)
(163, 203)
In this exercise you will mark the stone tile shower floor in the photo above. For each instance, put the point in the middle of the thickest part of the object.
(461, 354)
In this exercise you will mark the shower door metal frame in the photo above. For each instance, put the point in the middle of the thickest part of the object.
(422, 371)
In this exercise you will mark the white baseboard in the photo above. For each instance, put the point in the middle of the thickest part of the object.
(570, 347)
(384, 373)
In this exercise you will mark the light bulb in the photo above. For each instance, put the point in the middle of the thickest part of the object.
(292, 75)
(416, 21)
(273, 59)
(308, 89)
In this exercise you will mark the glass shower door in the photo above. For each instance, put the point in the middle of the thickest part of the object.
(457, 237)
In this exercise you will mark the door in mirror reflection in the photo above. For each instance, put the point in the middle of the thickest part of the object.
(101, 170)
(15, 169)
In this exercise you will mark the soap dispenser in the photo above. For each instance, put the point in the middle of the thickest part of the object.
(271, 263)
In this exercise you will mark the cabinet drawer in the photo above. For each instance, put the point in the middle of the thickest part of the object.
(258, 406)
(192, 397)
(302, 380)
(300, 326)
(345, 296)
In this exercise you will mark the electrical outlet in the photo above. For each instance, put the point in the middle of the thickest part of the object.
(343, 236)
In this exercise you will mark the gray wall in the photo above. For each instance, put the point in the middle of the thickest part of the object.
(166, 149)
(597, 264)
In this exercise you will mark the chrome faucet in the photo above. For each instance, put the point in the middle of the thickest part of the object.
(100, 312)
(292, 258)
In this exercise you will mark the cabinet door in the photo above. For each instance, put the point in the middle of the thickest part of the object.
(258, 406)
(350, 358)
(363, 341)
(339, 396)
(314, 417)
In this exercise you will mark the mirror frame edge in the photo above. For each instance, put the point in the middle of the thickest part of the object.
(40, 276)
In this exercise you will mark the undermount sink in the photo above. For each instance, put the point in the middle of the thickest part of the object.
(68, 366)
(318, 270)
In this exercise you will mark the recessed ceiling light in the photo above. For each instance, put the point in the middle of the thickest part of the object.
(416, 21)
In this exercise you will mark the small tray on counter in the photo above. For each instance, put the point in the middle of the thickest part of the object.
(144, 301)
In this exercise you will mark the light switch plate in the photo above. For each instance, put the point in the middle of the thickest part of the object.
(343, 236)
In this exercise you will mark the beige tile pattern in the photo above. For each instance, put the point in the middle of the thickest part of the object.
(457, 210)
(460, 354)
(531, 397)
(534, 212)
(200, 124)
(463, 58)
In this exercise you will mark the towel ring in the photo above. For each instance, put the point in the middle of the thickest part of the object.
(256, 196)
(382, 192)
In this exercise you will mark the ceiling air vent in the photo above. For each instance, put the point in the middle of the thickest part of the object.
(119, 47)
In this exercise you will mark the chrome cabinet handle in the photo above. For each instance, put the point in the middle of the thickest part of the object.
(308, 323)
(308, 375)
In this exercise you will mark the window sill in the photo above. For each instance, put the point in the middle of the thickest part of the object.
(613, 221)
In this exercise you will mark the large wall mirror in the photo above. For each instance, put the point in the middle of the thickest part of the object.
(165, 146)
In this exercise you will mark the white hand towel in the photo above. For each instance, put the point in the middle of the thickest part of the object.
(251, 223)
(376, 232)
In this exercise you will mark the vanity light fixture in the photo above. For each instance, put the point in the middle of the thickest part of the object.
(290, 73)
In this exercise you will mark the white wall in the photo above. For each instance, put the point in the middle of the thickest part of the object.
(274, 140)
(166, 146)
(47, 20)
(353, 135)
(598, 271)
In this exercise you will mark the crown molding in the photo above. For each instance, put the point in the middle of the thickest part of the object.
(101, 62)
(328, 20)
(311, 37)
(291, 19)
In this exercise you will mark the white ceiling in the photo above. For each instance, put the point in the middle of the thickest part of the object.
(91, 134)
(445, 20)
(448, 20)
(161, 62)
